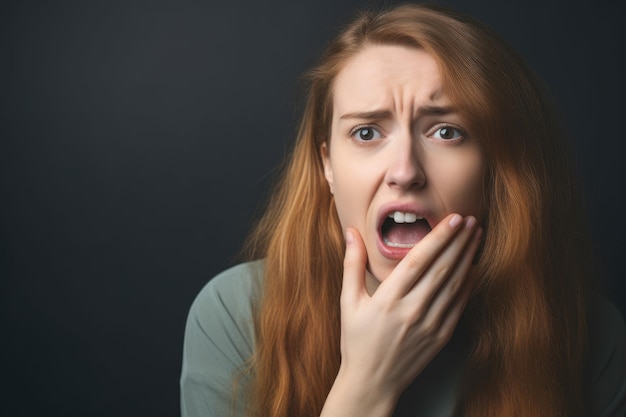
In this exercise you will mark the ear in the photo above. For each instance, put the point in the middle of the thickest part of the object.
(328, 170)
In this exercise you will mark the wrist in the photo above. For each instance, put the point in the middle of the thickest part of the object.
(354, 394)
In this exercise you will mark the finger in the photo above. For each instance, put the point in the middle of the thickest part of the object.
(353, 267)
(461, 278)
(453, 314)
(419, 258)
(441, 270)
(448, 303)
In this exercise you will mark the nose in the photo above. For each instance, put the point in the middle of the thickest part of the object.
(406, 168)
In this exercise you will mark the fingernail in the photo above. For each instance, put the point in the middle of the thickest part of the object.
(470, 222)
(456, 220)
(349, 237)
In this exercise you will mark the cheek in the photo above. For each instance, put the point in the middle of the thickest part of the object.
(461, 186)
(345, 198)
(352, 190)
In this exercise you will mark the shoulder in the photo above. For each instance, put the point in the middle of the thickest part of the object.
(232, 289)
(219, 340)
(224, 309)
(228, 301)
(606, 366)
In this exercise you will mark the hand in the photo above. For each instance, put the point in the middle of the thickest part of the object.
(388, 338)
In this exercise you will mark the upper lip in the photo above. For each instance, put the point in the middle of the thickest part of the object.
(405, 207)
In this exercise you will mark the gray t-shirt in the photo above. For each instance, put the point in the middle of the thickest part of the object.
(219, 339)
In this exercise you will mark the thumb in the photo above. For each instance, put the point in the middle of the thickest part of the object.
(353, 266)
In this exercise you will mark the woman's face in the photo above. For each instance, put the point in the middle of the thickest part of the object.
(400, 157)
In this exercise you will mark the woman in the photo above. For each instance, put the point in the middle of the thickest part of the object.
(423, 253)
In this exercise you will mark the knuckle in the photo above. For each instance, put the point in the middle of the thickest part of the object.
(349, 262)
(441, 272)
(443, 337)
(430, 328)
(454, 286)
(415, 260)
(414, 313)
(417, 314)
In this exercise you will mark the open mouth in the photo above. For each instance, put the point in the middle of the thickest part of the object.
(403, 229)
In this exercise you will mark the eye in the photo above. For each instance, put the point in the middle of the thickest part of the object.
(448, 133)
(365, 133)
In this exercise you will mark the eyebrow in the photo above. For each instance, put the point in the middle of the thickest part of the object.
(435, 110)
(368, 115)
(383, 114)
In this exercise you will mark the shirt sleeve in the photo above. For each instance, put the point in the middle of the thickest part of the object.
(219, 340)
(606, 376)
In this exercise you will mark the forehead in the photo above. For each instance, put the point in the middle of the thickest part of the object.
(381, 75)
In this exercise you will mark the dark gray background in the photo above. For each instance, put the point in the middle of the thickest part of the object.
(138, 140)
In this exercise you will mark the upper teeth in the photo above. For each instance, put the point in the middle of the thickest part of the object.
(400, 217)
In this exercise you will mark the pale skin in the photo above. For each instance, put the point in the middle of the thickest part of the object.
(396, 141)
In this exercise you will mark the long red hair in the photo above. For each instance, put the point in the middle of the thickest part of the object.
(527, 316)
